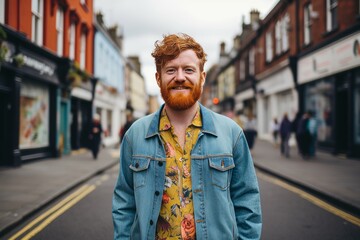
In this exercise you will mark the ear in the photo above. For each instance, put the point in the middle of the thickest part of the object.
(158, 80)
(203, 77)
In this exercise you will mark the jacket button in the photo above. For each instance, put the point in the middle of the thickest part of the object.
(160, 164)
(151, 222)
(136, 165)
(157, 193)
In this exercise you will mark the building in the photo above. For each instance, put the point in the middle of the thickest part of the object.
(109, 69)
(46, 86)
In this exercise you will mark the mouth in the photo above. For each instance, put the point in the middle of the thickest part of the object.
(180, 88)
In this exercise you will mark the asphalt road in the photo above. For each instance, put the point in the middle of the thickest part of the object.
(288, 213)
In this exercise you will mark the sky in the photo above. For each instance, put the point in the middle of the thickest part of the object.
(209, 22)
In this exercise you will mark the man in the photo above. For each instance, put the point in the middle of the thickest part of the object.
(185, 171)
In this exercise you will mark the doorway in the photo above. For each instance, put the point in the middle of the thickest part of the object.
(342, 116)
(5, 110)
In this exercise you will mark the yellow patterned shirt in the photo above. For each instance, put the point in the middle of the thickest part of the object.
(176, 220)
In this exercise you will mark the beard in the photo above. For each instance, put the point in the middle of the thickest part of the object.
(180, 100)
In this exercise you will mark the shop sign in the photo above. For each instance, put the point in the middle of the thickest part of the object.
(40, 66)
(337, 57)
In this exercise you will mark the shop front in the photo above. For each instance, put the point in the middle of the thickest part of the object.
(28, 91)
(329, 80)
(276, 95)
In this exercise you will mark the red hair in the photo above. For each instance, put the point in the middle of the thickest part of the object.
(172, 45)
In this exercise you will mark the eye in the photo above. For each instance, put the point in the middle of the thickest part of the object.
(189, 70)
(170, 71)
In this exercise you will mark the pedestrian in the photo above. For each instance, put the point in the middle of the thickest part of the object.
(95, 135)
(250, 130)
(275, 126)
(185, 172)
(129, 121)
(285, 133)
(294, 127)
(304, 135)
(312, 128)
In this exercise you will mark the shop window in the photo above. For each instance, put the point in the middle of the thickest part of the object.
(37, 21)
(60, 30)
(307, 24)
(269, 47)
(331, 14)
(2, 11)
(357, 109)
(318, 98)
(72, 41)
(34, 115)
(83, 51)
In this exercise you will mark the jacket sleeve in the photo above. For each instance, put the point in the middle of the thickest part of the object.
(123, 203)
(244, 192)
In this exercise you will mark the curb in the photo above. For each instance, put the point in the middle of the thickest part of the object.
(341, 204)
(16, 222)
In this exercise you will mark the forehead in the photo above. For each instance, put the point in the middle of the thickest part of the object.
(187, 57)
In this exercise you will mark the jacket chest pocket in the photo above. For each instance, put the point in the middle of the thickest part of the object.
(220, 171)
(140, 167)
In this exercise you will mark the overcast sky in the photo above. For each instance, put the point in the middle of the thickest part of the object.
(209, 21)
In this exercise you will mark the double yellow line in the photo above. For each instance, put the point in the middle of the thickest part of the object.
(46, 218)
(318, 202)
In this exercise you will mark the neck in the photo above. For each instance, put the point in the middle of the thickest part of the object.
(181, 117)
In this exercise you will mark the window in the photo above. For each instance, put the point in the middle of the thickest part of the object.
(278, 37)
(83, 50)
(307, 24)
(242, 70)
(72, 41)
(37, 21)
(252, 61)
(269, 48)
(331, 15)
(285, 24)
(60, 30)
(281, 35)
(2, 11)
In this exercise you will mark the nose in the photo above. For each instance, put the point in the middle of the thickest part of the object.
(180, 76)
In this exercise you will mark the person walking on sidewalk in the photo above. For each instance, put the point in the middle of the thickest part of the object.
(304, 135)
(95, 135)
(250, 130)
(312, 128)
(185, 171)
(285, 133)
(275, 126)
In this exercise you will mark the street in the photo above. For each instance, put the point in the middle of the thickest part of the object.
(287, 214)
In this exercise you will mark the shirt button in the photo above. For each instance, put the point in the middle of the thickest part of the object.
(157, 193)
(136, 165)
(151, 222)
(160, 164)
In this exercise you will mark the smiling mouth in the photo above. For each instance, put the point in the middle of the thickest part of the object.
(180, 88)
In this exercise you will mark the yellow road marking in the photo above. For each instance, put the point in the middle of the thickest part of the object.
(56, 214)
(51, 211)
(348, 217)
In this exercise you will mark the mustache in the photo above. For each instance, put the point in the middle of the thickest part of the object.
(180, 85)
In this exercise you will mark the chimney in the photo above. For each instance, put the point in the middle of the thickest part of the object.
(100, 18)
(237, 42)
(118, 39)
(222, 49)
(136, 63)
(254, 18)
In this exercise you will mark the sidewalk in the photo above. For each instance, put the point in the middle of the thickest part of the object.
(28, 188)
(332, 177)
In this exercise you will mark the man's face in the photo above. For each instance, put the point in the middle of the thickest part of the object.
(181, 81)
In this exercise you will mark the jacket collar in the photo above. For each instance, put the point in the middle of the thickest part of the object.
(207, 122)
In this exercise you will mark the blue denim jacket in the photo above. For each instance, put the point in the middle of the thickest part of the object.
(225, 189)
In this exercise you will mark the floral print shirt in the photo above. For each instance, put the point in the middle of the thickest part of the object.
(176, 220)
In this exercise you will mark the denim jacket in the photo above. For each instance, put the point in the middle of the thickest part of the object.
(225, 189)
